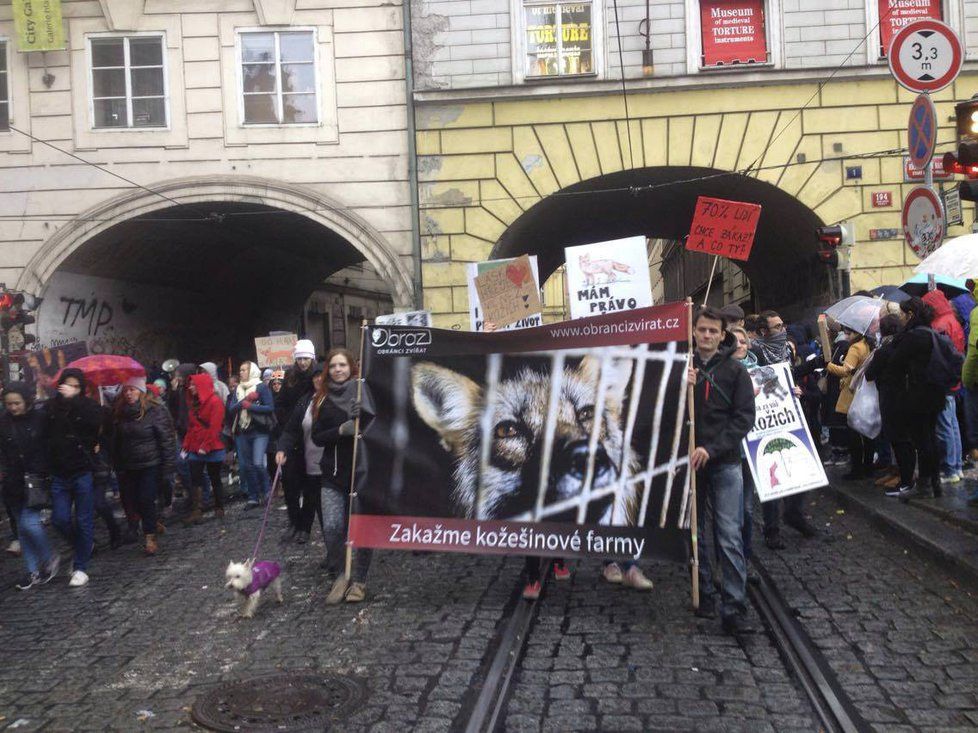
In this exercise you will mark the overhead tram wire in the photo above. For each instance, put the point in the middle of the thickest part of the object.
(624, 90)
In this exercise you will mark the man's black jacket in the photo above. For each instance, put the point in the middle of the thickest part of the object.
(724, 401)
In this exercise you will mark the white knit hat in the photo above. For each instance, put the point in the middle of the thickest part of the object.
(304, 349)
(137, 382)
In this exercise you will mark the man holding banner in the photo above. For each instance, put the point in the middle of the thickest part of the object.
(723, 398)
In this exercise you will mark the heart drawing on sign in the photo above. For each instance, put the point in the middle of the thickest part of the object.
(517, 274)
(526, 299)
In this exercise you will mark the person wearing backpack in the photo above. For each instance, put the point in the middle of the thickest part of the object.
(922, 362)
(948, 429)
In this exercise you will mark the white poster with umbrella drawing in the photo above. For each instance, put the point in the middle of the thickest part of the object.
(782, 456)
(607, 277)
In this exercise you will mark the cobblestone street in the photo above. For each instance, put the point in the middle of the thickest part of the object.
(137, 646)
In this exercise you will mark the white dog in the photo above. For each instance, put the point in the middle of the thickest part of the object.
(249, 579)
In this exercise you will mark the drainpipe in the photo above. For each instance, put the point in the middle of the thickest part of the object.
(412, 155)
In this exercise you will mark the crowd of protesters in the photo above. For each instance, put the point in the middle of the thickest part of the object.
(185, 429)
(188, 428)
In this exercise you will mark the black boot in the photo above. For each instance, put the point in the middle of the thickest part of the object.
(131, 535)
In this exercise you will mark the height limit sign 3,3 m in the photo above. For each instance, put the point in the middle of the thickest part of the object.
(723, 228)
(925, 56)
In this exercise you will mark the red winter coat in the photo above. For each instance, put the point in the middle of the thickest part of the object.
(945, 319)
(205, 417)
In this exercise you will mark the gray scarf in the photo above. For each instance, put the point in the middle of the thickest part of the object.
(774, 349)
(343, 395)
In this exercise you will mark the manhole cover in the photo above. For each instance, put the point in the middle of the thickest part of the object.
(283, 702)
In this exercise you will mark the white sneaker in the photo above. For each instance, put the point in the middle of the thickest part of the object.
(612, 573)
(636, 579)
(14, 548)
(78, 579)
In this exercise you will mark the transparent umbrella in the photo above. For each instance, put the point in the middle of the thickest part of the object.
(859, 313)
(957, 258)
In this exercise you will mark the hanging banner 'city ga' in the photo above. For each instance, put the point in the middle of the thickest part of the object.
(567, 440)
(782, 456)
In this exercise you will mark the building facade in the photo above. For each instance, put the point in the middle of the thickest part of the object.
(530, 139)
(184, 174)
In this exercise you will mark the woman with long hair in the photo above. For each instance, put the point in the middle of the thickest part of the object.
(253, 410)
(144, 452)
(335, 410)
(302, 493)
(203, 446)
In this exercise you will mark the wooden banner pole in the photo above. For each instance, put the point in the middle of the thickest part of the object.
(690, 395)
(340, 585)
(709, 284)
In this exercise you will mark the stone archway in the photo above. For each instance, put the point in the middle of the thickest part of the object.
(262, 192)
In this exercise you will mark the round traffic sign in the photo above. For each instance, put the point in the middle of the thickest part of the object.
(923, 221)
(925, 56)
(922, 131)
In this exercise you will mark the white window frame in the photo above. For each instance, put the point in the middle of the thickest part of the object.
(950, 9)
(161, 35)
(773, 29)
(10, 86)
(518, 55)
(239, 75)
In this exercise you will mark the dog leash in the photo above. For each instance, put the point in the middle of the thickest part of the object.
(268, 506)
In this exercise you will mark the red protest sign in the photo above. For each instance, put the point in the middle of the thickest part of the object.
(724, 228)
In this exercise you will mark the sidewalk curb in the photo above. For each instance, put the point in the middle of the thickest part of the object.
(942, 541)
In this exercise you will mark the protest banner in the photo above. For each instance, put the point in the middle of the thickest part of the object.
(407, 318)
(508, 293)
(606, 277)
(489, 443)
(476, 318)
(275, 351)
(723, 228)
(780, 451)
(40, 367)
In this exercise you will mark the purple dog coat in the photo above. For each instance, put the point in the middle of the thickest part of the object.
(262, 575)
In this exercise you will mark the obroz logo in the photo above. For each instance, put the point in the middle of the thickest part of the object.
(386, 341)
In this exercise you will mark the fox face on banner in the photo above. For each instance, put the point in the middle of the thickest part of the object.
(539, 434)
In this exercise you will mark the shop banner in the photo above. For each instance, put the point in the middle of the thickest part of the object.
(607, 277)
(896, 14)
(275, 351)
(476, 317)
(40, 367)
(723, 228)
(567, 440)
(39, 26)
(733, 32)
(782, 456)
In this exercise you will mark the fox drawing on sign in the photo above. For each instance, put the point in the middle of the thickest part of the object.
(608, 268)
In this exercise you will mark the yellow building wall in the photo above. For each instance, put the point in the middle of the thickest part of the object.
(482, 164)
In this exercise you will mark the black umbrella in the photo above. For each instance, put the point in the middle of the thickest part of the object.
(891, 293)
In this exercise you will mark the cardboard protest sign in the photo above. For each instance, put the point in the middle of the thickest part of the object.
(476, 319)
(724, 228)
(508, 292)
(606, 277)
(275, 351)
(408, 318)
(478, 442)
(782, 456)
(41, 366)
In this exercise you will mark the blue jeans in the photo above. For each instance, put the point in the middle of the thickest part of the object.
(33, 542)
(183, 471)
(949, 437)
(720, 515)
(78, 490)
(748, 530)
(251, 463)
